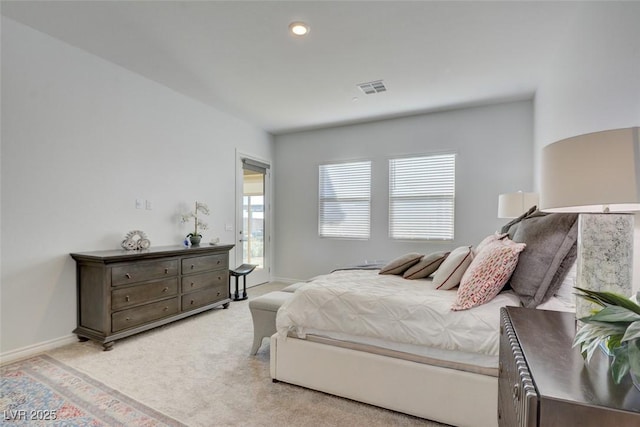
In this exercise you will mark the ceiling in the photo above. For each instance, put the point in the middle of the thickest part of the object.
(238, 57)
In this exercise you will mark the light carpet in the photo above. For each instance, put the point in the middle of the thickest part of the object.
(199, 372)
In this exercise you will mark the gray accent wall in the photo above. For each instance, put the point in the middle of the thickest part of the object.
(494, 147)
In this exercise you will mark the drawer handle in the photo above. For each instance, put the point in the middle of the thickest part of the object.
(166, 288)
(500, 367)
(127, 275)
(516, 391)
(218, 262)
(218, 294)
(193, 266)
(192, 284)
(126, 298)
(127, 319)
(166, 271)
(192, 301)
(166, 308)
(219, 278)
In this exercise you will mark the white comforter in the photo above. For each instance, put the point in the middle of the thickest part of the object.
(364, 303)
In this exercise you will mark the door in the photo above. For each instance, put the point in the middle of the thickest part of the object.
(253, 237)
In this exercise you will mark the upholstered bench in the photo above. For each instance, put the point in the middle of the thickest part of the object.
(263, 312)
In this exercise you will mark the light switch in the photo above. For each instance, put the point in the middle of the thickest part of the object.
(147, 205)
(139, 203)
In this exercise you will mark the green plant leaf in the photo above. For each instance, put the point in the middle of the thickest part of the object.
(614, 341)
(620, 364)
(632, 332)
(633, 352)
(606, 328)
(587, 333)
(614, 313)
(589, 337)
(609, 298)
(590, 298)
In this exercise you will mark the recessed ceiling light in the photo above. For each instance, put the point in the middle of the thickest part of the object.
(299, 28)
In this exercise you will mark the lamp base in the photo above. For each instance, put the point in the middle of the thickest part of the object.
(605, 256)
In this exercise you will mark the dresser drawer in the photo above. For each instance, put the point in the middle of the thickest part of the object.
(204, 263)
(199, 281)
(126, 297)
(132, 273)
(126, 319)
(204, 297)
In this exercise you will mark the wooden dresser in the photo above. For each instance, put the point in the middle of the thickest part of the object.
(543, 381)
(121, 293)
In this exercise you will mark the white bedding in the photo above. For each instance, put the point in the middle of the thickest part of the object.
(387, 307)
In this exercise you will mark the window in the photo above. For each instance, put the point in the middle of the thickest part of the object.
(421, 197)
(345, 200)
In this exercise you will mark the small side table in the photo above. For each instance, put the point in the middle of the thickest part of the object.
(240, 271)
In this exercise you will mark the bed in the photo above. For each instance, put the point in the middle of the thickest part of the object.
(392, 342)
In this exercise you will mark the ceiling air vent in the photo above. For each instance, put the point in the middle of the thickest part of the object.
(372, 87)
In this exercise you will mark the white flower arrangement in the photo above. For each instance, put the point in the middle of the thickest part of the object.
(198, 224)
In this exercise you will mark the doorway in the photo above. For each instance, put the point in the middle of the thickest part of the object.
(253, 220)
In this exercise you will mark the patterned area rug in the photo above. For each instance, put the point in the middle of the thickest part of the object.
(42, 391)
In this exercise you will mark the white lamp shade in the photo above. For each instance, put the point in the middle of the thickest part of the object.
(592, 173)
(512, 205)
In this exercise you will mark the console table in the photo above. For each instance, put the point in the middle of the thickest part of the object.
(543, 381)
(121, 293)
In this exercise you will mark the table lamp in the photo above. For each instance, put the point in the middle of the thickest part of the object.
(598, 176)
(512, 205)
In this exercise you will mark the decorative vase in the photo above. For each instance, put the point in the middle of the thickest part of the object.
(195, 240)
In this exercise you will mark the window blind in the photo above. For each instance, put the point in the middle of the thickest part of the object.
(421, 197)
(345, 200)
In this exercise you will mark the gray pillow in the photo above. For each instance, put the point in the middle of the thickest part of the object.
(401, 264)
(565, 267)
(426, 266)
(511, 227)
(551, 242)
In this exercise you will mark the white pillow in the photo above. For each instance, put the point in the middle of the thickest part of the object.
(450, 272)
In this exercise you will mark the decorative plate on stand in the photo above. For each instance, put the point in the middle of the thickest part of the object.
(135, 240)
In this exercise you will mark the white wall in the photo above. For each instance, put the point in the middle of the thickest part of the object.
(81, 139)
(494, 149)
(594, 83)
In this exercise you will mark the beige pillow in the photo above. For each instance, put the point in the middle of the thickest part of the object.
(450, 272)
(401, 264)
(426, 266)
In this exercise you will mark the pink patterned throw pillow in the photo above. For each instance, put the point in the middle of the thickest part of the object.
(488, 273)
(488, 240)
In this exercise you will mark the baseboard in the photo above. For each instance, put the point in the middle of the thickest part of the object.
(32, 350)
